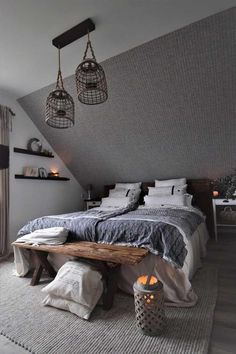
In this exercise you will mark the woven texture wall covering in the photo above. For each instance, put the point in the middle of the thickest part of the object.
(173, 117)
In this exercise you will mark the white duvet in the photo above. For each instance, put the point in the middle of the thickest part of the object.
(177, 286)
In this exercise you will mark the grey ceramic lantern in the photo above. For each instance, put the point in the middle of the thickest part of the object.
(149, 305)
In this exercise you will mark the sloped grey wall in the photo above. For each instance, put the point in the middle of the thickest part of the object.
(171, 110)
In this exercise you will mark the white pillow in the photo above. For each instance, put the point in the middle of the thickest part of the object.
(156, 201)
(128, 185)
(118, 202)
(167, 190)
(68, 305)
(121, 192)
(118, 193)
(170, 182)
(78, 282)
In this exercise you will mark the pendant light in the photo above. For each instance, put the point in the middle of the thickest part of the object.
(90, 79)
(60, 105)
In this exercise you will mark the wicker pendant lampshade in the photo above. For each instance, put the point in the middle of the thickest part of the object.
(90, 79)
(60, 105)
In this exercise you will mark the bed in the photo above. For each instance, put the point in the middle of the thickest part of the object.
(176, 281)
(175, 272)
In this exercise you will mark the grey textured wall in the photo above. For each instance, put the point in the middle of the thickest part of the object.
(171, 110)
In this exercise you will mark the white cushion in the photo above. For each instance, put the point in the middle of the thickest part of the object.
(121, 192)
(78, 282)
(167, 190)
(128, 185)
(156, 201)
(170, 182)
(68, 305)
(118, 202)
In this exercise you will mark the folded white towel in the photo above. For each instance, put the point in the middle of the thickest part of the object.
(48, 236)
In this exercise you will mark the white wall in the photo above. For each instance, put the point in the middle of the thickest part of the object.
(31, 199)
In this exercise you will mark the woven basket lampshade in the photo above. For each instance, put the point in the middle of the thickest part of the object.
(60, 105)
(90, 80)
(149, 305)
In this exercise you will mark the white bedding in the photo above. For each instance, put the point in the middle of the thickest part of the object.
(177, 286)
(177, 282)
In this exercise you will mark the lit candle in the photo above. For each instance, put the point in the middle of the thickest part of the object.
(145, 279)
(54, 174)
(215, 194)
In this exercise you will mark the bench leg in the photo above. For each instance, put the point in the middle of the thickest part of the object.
(112, 270)
(41, 262)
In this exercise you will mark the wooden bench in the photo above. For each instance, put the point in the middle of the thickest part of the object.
(107, 258)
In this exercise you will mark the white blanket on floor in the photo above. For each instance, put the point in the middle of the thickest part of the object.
(49, 236)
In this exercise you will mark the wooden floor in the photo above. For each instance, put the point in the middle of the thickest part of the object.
(223, 341)
(223, 255)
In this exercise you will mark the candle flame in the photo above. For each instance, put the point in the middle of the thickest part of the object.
(144, 278)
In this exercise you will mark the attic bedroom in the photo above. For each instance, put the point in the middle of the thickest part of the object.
(117, 177)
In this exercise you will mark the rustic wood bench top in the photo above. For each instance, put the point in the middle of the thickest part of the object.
(92, 250)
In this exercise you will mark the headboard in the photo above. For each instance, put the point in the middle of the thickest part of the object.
(202, 197)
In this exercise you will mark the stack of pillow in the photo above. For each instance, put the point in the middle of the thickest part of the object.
(122, 195)
(168, 192)
(77, 288)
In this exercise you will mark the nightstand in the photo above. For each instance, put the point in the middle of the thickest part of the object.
(91, 203)
(218, 204)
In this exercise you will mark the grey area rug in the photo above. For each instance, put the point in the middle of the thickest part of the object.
(45, 330)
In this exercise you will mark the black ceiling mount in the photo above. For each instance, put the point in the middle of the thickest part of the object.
(74, 33)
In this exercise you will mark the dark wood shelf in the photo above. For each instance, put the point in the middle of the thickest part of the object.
(43, 178)
(29, 152)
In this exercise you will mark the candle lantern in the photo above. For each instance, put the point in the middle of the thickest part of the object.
(215, 194)
(53, 174)
(149, 305)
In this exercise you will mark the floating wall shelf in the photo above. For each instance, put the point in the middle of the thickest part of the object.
(29, 152)
(43, 178)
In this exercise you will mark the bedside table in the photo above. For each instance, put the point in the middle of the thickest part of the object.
(91, 203)
(219, 203)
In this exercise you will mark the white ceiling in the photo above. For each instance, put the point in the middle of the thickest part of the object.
(28, 61)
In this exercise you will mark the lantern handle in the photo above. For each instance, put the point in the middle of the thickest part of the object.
(59, 84)
(89, 46)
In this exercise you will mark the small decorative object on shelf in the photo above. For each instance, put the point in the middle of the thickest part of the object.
(53, 174)
(42, 172)
(149, 305)
(29, 171)
(34, 145)
(47, 152)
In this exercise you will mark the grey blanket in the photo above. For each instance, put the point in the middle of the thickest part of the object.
(158, 230)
